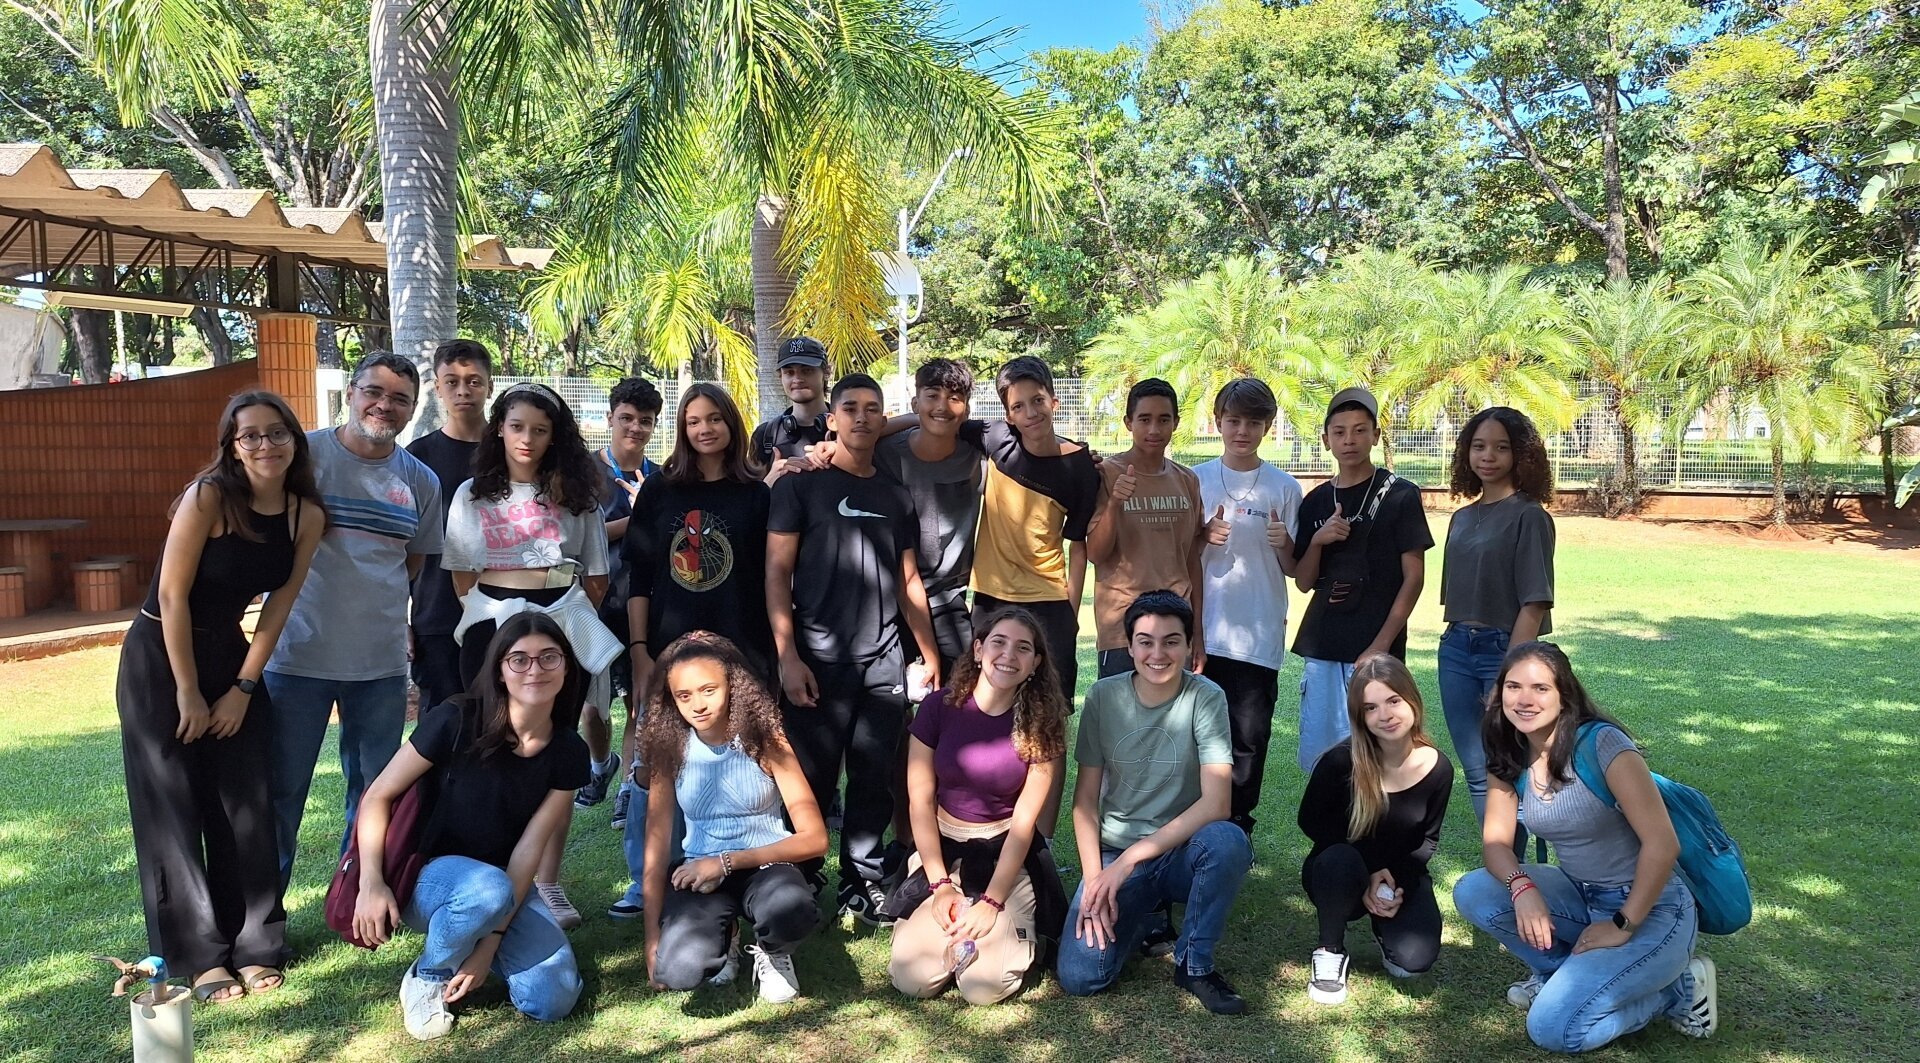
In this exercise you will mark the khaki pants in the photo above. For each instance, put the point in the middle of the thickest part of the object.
(919, 967)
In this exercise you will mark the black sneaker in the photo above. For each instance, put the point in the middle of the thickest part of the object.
(622, 800)
(625, 909)
(1213, 989)
(862, 901)
(596, 789)
(1161, 937)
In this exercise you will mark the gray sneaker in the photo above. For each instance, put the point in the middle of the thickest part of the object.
(1702, 1015)
(423, 1005)
(558, 905)
(597, 783)
(1520, 994)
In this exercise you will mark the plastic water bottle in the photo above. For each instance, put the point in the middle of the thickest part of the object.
(961, 954)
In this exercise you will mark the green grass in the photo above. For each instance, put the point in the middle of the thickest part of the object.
(1777, 679)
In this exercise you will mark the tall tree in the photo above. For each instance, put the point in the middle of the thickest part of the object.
(1627, 338)
(1486, 338)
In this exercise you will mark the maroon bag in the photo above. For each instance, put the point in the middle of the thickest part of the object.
(400, 862)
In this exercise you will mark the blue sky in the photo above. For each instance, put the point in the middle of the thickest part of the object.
(1054, 23)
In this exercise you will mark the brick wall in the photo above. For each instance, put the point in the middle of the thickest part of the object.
(113, 455)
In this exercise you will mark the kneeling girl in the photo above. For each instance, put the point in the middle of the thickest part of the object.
(983, 756)
(715, 751)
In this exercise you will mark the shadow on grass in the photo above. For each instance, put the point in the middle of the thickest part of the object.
(1802, 730)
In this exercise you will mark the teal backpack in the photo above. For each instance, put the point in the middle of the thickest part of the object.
(1710, 859)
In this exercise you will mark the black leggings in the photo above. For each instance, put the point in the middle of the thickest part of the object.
(1336, 879)
(696, 928)
(473, 642)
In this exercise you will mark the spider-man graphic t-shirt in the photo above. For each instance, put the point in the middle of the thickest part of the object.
(697, 552)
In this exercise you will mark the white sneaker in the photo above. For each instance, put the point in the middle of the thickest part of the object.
(1328, 983)
(729, 970)
(423, 1006)
(774, 975)
(1520, 994)
(558, 905)
(1702, 1016)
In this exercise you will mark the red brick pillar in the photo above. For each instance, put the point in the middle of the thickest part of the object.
(289, 357)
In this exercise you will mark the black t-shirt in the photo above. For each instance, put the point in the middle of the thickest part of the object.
(785, 435)
(485, 803)
(1363, 571)
(698, 553)
(1408, 830)
(435, 610)
(846, 580)
(946, 494)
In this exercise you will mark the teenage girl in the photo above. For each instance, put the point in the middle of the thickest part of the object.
(1373, 811)
(1608, 933)
(715, 751)
(194, 716)
(1496, 583)
(526, 533)
(982, 758)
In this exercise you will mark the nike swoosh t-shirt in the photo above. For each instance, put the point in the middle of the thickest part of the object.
(846, 579)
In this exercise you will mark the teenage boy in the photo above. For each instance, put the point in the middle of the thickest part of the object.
(633, 411)
(462, 380)
(841, 573)
(944, 474)
(803, 376)
(1150, 532)
(1246, 579)
(1150, 812)
(1360, 546)
(345, 642)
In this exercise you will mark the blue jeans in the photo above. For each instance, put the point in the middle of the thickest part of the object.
(633, 839)
(1470, 659)
(1596, 996)
(372, 713)
(1323, 708)
(460, 900)
(1204, 874)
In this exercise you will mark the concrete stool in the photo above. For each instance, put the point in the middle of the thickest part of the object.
(131, 589)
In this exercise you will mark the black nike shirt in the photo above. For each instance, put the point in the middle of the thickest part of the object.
(846, 579)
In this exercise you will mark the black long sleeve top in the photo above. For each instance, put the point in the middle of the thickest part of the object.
(1408, 831)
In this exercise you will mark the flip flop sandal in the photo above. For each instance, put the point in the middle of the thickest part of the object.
(204, 992)
(263, 981)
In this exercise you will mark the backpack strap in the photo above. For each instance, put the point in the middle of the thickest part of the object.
(1586, 761)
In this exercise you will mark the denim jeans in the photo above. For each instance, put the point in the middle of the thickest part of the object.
(372, 713)
(1204, 874)
(460, 900)
(1323, 708)
(1594, 997)
(1470, 659)
(633, 839)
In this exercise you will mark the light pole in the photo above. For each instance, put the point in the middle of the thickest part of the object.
(907, 223)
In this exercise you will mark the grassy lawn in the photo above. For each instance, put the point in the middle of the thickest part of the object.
(1777, 678)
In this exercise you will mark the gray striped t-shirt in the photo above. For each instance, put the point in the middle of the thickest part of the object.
(1595, 843)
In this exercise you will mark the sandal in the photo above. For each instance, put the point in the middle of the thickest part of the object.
(211, 991)
(263, 980)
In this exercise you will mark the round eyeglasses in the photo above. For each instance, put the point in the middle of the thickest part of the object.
(524, 662)
(279, 435)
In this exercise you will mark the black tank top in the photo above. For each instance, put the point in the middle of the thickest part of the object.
(234, 570)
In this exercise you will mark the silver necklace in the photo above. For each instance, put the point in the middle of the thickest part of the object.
(1249, 492)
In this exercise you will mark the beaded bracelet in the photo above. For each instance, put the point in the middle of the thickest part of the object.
(726, 863)
(990, 902)
(935, 888)
(1517, 875)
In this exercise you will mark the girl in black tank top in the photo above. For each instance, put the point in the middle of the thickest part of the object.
(194, 715)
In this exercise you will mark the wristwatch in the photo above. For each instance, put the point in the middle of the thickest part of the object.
(246, 686)
(1620, 920)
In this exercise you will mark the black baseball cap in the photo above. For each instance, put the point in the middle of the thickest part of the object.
(803, 350)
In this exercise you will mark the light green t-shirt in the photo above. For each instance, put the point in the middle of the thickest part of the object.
(1150, 754)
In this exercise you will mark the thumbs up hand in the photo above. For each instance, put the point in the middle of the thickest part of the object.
(1279, 538)
(1123, 487)
(1219, 527)
(1335, 530)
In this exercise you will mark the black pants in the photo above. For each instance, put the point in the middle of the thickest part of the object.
(473, 643)
(1335, 881)
(436, 667)
(203, 830)
(1251, 691)
(858, 720)
(1059, 625)
(697, 928)
(1115, 662)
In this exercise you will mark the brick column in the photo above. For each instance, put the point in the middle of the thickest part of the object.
(289, 357)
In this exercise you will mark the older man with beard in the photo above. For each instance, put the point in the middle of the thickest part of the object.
(346, 641)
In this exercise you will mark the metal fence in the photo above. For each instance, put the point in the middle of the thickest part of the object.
(1723, 449)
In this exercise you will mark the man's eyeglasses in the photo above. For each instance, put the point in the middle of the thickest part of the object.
(279, 435)
(548, 661)
(376, 394)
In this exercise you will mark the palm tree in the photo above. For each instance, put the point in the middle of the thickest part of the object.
(1779, 333)
(1896, 361)
(1364, 313)
(1486, 339)
(1233, 321)
(417, 126)
(1626, 337)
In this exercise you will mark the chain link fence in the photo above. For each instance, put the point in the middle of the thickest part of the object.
(1724, 448)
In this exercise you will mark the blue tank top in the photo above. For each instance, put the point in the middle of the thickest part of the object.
(730, 802)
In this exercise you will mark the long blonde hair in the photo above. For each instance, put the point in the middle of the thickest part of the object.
(1369, 798)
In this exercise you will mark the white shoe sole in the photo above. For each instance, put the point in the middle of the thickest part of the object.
(1324, 996)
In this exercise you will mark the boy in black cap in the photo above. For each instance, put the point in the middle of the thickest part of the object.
(803, 376)
(1360, 543)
